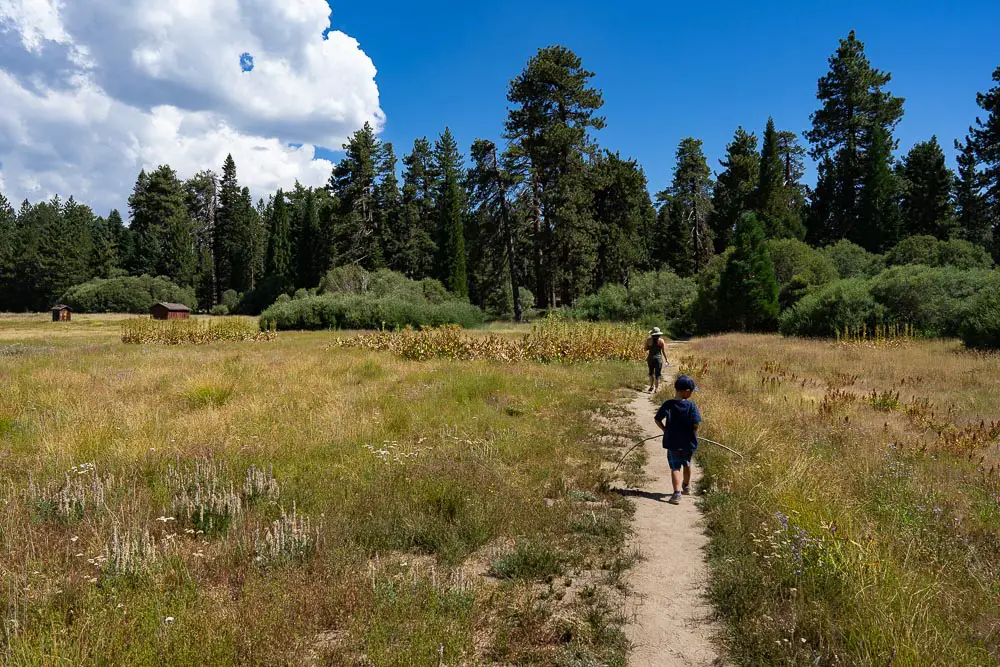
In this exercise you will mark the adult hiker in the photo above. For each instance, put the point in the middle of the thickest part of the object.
(679, 418)
(655, 358)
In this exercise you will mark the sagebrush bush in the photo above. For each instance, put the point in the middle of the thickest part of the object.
(366, 312)
(126, 295)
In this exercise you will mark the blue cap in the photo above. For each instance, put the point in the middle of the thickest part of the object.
(684, 383)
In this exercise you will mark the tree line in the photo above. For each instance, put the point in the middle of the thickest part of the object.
(549, 213)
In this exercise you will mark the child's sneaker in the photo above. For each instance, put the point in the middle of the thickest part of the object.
(675, 498)
(687, 490)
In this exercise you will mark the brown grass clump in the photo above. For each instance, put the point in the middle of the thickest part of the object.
(863, 526)
(549, 342)
(146, 331)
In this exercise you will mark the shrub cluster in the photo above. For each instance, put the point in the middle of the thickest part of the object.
(334, 311)
(352, 298)
(942, 301)
(552, 341)
(651, 299)
(126, 295)
(144, 331)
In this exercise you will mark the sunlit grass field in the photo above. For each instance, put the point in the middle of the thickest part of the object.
(863, 526)
(293, 502)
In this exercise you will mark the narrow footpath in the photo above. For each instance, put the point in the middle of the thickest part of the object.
(671, 622)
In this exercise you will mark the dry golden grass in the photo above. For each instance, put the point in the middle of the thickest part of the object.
(863, 527)
(135, 530)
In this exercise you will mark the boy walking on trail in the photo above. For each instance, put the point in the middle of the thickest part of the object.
(655, 358)
(679, 418)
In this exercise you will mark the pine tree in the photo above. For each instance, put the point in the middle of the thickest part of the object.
(226, 230)
(310, 241)
(986, 139)
(490, 188)
(971, 214)
(417, 249)
(104, 262)
(279, 250)
(690, 209)
(145, 253)
(672, 243)
(553, 108)
(202, 192)
(927, 184)
(780, 197)
(625, 217)
(748, 290)
(65, 246)
(854, 104)
(8, 244)
(879, 203)
(388, 205)
(24, 289)
(735, 186)
(353, 184)
(450, 212)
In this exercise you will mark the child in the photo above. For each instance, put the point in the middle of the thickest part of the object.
(680, 434)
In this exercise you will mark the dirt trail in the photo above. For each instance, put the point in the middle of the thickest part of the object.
(671, 619)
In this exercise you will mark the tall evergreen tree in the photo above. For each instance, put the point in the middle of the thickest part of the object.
(735, 186)
(448, 167)
(310, 241)
(104, 262)
(8, 244)
(24, 289)
(986, 138)
(144, 255)
(202, 192)
(490, 188)
(780, 197)
(416, 246)
(388, 206)
(672, 241)
(854, 104)
(879, 203)
(553, 108)
(279, 250)
(625, 217)
(748, 290)
(65, 246)
(353, 184)
(690, 203)
(970, 206)
(927, 184)
(234, 234)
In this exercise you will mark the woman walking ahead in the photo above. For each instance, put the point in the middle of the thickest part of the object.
(655, 358)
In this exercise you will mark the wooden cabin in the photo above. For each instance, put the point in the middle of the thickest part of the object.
(170, 311)
(61, 313)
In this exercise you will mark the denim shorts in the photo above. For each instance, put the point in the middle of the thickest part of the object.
(679, 458)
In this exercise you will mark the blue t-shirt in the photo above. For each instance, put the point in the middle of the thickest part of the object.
(680, 418)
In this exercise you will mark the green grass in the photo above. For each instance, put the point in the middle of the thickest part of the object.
(406, 479)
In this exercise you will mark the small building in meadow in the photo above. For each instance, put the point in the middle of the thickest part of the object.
(61, 313)
(170, 311)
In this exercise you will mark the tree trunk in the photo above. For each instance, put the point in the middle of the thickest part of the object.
(508, 233)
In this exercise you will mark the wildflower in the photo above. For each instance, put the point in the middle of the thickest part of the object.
(169, 619)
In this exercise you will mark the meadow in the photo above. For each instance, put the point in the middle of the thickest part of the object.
(287, 500)
(863, 526)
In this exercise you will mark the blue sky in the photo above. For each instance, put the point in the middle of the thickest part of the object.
(671, 69)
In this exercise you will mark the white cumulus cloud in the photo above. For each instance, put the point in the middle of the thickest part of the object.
(94, 90)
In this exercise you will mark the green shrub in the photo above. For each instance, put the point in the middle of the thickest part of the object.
(799, 268)
(126, 295)
(653, 298)
(706, 313)
(929, 251)
(853, 261)
(932, 300)
(221, 309)
(980, 328)
(846, 303)
(334, 311)
(231, 299)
